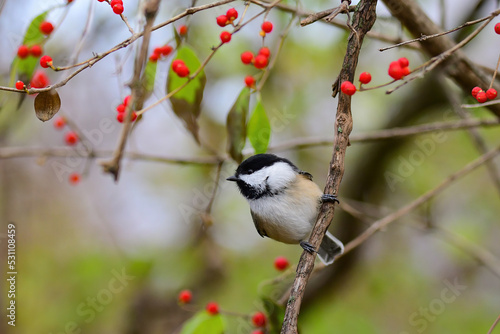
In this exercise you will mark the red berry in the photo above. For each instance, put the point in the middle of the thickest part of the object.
(185, 296)
(182, 70)
(153, 57)
(126, 100)
(71, 138)
(116, 2)
(259, 319)
(118, 9)
(46, 27)
(476, 90)
(222, 20)
(395, 70)
(249, 81)
(481, 97)
(212, 308)
(365, 77)
(404, 62)
(491, 93)
(265, 51)
(20, 85)
(46, 61)
(183, 30)
(281, 263)
(348, 88)
(36, 50)
(166, 50)
(120, 108)
(74, 178)
(59, 122)
(225, 36)
(157, 51)
(176, 63)
(120, 117)
(23, 51)
(497, 28)
(246, 57)
(267, 26)
(100, 0)
(232, 14)
(406, 71)
(39, 80)
(260, 61)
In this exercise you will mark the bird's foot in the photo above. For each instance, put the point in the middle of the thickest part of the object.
(307, 247)
(327, 198)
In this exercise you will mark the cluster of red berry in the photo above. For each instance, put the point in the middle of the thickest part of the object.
(259, 319)
(39, 79)
(180, 68)
(481, 96)
(120, 117)
(116, 5)
(399, 69)
(224, 20)
(159, 52)
(259, 61)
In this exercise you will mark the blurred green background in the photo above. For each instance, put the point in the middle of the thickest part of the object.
(106, 257)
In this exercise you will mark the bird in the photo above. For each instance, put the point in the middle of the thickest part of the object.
(284, 202)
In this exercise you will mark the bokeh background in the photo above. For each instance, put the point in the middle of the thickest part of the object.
(142, 237)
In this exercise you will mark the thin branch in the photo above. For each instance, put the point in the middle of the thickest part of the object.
(382, 223)
(481, 255)
(301, 143)
(494, 325)
(426, 37)
(85, 32)
(62, 152)
(331, 13)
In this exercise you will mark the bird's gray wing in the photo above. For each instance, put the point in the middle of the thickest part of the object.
(259, 224)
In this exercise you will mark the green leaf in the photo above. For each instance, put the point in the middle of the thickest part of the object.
(149, 79)
(236, 125)
(259, 129)
(204, 323)
(186, 103)
(33, 34)
(23, 68)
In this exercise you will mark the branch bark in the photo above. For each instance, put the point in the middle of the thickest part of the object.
(363, 19)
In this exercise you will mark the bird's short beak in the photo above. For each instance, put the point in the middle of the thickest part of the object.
(232, 178)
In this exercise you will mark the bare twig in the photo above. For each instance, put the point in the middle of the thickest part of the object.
(331, 13)
(300, 143)
(494, 325)
(480, 254)
(363, 20)
(426, 37)
(382, 223)
(85, 32)
(62, 152)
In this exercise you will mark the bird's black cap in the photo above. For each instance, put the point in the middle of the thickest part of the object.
(257, 162)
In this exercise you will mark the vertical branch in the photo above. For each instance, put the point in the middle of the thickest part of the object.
(137, 95)
(363, 19)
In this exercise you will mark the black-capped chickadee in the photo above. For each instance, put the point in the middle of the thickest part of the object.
(284, 202)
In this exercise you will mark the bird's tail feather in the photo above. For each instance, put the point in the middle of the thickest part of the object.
(330, 247)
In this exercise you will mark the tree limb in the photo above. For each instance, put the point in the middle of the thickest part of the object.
(363, 19)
